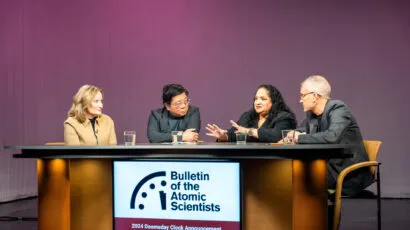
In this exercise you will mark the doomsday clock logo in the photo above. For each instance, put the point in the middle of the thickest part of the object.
(142, 194)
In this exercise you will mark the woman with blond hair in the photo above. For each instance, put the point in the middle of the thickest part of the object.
(86, 124)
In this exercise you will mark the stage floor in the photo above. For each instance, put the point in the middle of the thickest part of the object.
(357, 214)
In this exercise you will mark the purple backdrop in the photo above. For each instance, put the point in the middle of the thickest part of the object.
(221, 50)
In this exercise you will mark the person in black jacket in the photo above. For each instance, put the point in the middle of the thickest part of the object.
(263, 123)
(332, 122)
(176, 115)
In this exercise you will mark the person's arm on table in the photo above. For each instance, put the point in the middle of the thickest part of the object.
(339, 120)
(273, 134)
(154, 133)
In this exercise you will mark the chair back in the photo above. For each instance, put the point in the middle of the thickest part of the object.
(372, 150)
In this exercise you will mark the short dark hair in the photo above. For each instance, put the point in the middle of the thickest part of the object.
(171, 90)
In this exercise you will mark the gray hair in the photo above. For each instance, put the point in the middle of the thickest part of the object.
(319, 85)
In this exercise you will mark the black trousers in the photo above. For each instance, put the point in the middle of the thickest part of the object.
(330, 214)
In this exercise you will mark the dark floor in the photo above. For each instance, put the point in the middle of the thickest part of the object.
(357, 214)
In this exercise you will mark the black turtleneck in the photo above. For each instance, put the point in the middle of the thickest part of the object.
(174, 122)
(92, 120)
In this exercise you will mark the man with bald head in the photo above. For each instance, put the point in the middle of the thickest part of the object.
(331, 122)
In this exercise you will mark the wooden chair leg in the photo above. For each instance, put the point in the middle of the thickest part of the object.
(337, 211)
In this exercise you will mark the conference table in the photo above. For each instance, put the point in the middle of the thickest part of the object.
(283, 186)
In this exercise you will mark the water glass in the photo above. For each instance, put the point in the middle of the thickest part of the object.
(176, 137)
(288, 136)
(240, 138)
(129, 137)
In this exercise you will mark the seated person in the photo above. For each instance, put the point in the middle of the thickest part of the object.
(86, 124)
(331, 122)
(176, 115)
(263, 123)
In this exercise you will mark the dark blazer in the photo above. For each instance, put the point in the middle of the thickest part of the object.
(158, 129)
(337, 125)
(270, 131)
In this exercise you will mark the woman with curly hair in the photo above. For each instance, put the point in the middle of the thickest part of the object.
(263, 123)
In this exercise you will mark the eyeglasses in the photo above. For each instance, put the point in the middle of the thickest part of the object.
(181, 103)
(302, 95)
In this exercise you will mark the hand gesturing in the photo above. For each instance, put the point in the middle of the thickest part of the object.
(215, 131)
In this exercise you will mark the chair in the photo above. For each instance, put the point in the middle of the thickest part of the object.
(372, 149)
